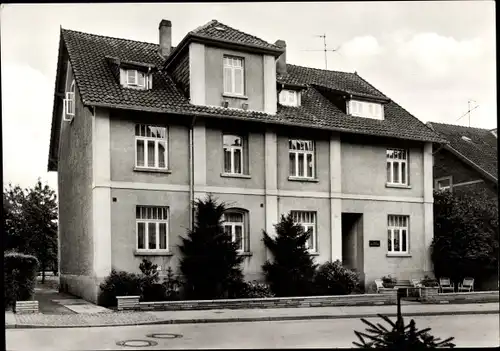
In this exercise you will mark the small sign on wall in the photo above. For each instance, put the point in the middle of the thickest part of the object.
(374, 243)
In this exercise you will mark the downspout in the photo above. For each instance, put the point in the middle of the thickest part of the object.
(191, 174)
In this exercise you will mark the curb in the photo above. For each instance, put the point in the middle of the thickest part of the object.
(248, 319)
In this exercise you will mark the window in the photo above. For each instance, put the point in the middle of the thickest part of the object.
(289, 97)
(443, 183)
(150, 146)
(301, 153)
(308, 221)
(234, 76)
(366, 109)
(397, 232)
(152, 228)
(234, 225)
(135, 78)
(69, 103)
(397, 167)
(233, 153)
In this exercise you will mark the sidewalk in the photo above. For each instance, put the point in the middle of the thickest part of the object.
(220, 316)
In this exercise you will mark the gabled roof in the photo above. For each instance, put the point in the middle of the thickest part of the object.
(475, 146)
(91, 56)
(219, 31)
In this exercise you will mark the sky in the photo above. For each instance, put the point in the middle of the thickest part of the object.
(430, 57)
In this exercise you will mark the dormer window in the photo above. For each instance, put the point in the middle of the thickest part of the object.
(69, 103)
(366, 109)
(137, 79)
(234, 76)
(289, 98)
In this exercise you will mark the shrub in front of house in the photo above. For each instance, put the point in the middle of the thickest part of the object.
(172, 286)
(332, 278)
(256, 290)
(118, 283)
(210, 263)
(151, 289)
(20, 271)
(291, 271)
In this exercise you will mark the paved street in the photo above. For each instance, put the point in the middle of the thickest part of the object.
(468, 330)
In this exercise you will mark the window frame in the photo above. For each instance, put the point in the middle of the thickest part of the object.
(157, 221)
(69, 102)
(146, 139)
(233, 69)
(391, 233)
(313, 225)
(284, 98)
(135, 83)
(305, 153)
(232, 148)
(448, 188)
(359, 108)
(400, 161)
(245, 245)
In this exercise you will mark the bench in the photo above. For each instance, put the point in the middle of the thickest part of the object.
(23, 307)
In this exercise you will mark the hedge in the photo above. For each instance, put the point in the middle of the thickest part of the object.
(20, 271)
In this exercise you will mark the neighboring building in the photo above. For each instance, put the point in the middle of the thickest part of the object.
(139, 130)
(469, 162)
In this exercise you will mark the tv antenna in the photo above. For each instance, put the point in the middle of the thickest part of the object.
(469, 110)
(325, 50)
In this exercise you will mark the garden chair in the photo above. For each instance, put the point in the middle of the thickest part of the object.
(416, 283)
(445, 285)
(379, 284)
(466, 285)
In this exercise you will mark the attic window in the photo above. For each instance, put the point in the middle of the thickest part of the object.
(366, 109)
(290, 98)
(132, 78)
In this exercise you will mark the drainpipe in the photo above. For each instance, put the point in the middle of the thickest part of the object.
(191, 174)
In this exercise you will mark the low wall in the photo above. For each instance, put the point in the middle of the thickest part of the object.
(132, 302)
(464, 297)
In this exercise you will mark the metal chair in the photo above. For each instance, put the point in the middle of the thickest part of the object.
(466, 285)
(379, 284)
(445, 285)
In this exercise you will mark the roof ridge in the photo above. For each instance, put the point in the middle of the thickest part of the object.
(251, 35)
(319, 69)
(203, 26)
(108, 37)
(457, 125)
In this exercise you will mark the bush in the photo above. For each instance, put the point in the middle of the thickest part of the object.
(292, 270)
(151, 289)
(388, 281)
(211, 265)
(332, 278)
(20, 273)
(119, 283)
(172, 286)
(255, 289)
(401, 337)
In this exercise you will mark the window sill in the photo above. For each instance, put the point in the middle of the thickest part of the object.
(312, 253)
(247, 254)
(398, 255)
(400, 186)
(152, 170)
(228, 95)
(152, 253)
(235, 175)
(303, 179)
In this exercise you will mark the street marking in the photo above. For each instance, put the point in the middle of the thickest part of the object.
(137, 343)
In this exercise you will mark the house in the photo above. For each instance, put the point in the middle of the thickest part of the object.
(140, 130)
(468, 162)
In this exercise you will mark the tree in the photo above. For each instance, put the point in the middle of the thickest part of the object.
(292, 271)
(211, 266)
(31, 222)
(465, 235)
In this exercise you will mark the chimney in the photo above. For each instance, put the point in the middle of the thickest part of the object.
(281, 62)
(165, 30)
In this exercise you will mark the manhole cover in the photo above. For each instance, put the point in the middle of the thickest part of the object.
(164, 336)
(137, 343)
